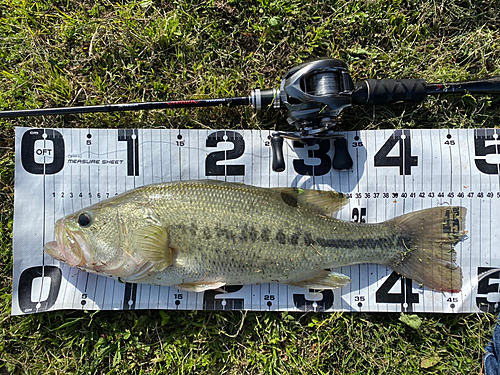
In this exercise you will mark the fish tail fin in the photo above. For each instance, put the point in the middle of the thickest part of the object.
(427, 254)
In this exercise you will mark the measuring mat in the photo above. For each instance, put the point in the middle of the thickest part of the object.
(60, 171)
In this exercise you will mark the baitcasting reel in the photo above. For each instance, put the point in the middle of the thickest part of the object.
(315, 94)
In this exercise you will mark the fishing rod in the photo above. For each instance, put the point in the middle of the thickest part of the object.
(314, 94)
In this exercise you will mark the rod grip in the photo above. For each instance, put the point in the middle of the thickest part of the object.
(386, 91)
(277, 149)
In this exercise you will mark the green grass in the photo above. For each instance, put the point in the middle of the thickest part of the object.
(59, 53)
(237, 343)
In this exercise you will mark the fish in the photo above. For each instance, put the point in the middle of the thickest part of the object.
(205, 234)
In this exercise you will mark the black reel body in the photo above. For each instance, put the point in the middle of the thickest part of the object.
(316, 90)
(315, 93)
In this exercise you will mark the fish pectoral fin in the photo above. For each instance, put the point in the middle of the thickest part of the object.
(324, 202)
(200, 286)
(152, 243)
(323, 280)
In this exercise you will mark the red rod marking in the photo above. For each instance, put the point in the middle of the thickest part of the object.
(183, 102)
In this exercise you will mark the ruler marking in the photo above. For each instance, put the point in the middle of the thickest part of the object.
(376, 209)
(460, 257)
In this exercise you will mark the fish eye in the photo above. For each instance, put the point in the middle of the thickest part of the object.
(84, 220)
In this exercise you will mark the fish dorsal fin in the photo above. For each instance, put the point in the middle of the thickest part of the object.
(152, 243)
(325, 202)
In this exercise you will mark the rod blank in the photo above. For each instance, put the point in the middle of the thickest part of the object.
(192, 103)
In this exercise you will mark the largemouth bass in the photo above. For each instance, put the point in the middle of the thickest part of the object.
(201, 235)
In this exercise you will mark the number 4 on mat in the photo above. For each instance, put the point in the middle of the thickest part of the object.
(404, 160)
(405, 297)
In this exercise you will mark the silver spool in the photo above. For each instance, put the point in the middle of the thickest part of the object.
(323, 84)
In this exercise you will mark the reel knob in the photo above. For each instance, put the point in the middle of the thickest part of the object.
(341, 160)
(277, 150)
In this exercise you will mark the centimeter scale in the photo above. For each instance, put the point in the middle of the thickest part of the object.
(59, 171)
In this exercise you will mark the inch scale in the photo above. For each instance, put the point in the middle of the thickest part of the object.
(59, 171)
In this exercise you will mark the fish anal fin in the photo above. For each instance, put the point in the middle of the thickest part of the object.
(200, 286)
(323, 280)
(152, 242)
(323, 201)
(427, 239)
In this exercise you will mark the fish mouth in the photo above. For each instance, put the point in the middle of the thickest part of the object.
(70, 247)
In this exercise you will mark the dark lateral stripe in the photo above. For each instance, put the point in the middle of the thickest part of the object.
(366, 243)
(251, 234)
